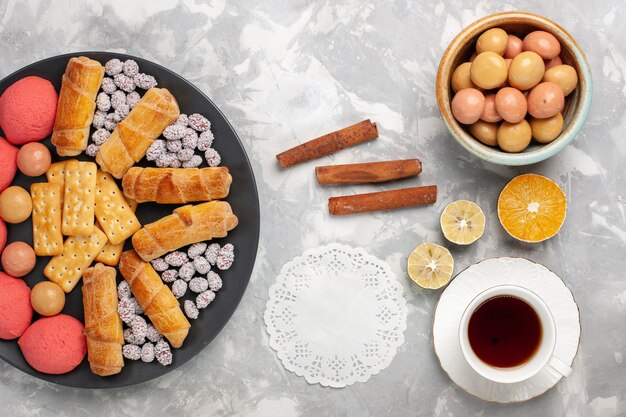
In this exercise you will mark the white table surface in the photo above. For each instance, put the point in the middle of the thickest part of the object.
(284, 72)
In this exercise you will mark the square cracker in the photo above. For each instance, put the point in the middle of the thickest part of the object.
(113, 212)
(67, 268)
(47, 236)
(79, 198)
(110, 253)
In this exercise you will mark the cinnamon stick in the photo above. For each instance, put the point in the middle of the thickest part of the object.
(368, 172)
(385, 200)
(329, 143)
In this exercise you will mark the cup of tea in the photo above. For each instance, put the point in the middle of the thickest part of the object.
(508, 334)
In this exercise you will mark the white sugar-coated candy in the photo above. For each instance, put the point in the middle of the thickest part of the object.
(212, 157)
(130, 68)
(225, 256)
(113, 67)
(194, 162)
(198, 285)
(108, 85)
(191, 310)
(103, 101)
(211, 253)
(205, 140)
(197, 249)
(176, 258)
(155, 151)
(214, 280)
(202, 265)
(123, 290)
(186, 271)
(174, 146)
(98, 119)
(92, 150)
(170, 275)
(100, 136)
(184, 155)
(124, 82)
(174, 132)
(204, 299)
(152, 334)
(163, 352)
(132, 352)
(199, 122)
(179, 288)
(147, 352)
(159, 264)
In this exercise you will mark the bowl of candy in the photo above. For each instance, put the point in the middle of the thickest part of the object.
(514, 88)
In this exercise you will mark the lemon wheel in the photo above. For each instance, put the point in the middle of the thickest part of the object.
(430, 266)
(462, 222)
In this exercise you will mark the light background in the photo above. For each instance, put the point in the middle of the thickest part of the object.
(286, 71)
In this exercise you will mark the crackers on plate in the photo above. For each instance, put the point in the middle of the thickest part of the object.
(85, 204)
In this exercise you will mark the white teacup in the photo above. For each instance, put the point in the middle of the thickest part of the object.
(542, 357)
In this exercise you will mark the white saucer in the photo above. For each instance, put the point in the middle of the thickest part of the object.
(477, 278)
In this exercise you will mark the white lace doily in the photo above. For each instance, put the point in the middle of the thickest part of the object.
(336, 315)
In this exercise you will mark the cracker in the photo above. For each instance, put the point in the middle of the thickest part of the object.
(56, 175)
(78, 253)
(47, 236)
(113, 211)
(110, 253)
(79, 198)
(56, 172)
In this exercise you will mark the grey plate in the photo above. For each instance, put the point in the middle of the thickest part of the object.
(243, 199)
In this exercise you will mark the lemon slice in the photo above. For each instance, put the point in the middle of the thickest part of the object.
(462, 222)
(430, 265)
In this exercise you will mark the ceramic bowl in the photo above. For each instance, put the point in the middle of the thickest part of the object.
(577, 104)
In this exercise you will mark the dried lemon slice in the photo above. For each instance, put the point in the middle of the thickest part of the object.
(462, 222)
(430, 265)
(532, 208)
